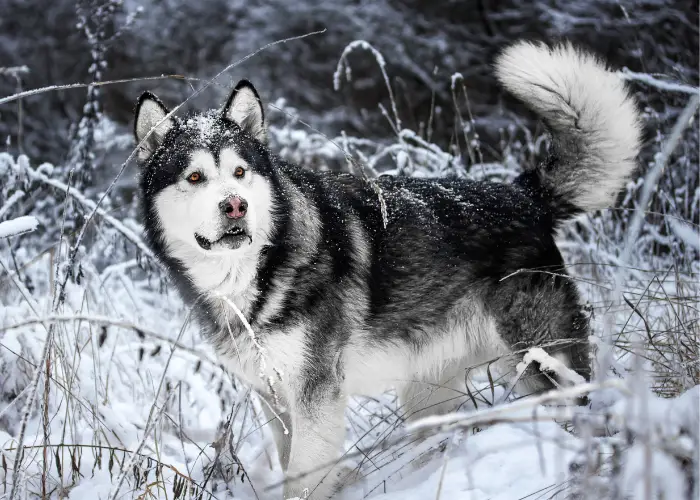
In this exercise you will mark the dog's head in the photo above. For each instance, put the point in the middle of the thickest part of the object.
(205, 180)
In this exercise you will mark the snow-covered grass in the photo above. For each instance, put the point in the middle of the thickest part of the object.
(109, 390)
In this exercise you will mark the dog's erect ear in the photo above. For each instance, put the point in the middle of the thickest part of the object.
(245, 108)
(149, 114)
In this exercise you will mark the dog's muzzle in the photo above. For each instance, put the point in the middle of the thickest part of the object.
(233, 238)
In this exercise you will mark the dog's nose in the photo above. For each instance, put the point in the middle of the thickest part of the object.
(234, 207)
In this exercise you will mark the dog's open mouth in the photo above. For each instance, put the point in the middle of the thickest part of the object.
(231, 240)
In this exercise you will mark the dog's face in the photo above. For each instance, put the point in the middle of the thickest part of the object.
(205, 180)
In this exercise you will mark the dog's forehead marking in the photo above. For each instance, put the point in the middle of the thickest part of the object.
(203, 159)
(229, 158)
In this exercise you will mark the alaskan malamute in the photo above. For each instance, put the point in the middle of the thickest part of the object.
(316, 286)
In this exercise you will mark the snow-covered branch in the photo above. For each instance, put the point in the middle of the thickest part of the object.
(651, 81)
(130, 235)
(17, 226)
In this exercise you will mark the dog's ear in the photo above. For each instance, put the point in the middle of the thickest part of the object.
(245, 108)
(150, 112)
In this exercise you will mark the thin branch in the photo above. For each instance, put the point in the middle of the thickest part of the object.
(104, 320)
(52, 88)
(647, 79)
(504, 413)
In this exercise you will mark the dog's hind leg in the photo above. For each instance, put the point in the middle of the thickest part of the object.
(470, 339)
(434, 395)
(542, 310)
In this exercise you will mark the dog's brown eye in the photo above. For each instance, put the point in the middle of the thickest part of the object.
(194, 178)
(239, 172)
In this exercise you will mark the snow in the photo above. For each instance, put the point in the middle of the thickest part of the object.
(17, 226)
(551, 364)
(506, 461)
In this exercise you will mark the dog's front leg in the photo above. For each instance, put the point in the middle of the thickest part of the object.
(317, 440)
(280, 424)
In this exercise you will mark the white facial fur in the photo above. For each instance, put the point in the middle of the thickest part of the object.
(185, 209)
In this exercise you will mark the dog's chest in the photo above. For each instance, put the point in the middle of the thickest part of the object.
(268, 359)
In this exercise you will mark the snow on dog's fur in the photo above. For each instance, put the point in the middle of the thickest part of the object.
(338, 302)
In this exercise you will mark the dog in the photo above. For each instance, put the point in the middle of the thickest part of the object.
(317, 286)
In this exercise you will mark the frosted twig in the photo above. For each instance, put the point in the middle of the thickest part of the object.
(274, 412)
(91, 205)
(647, 79)
(251, 333)
(51, 88)
(685, 233)
(253, 338)
(17, 226)
(342, 62)
(654, 174)
(106, 321)
(549, 363)
(268, 380)
(14, 198)
(501, 413)
(14, 70)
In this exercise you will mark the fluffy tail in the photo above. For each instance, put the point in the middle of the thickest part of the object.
(595, 126)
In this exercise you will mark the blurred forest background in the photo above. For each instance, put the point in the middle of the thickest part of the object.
(423, 42)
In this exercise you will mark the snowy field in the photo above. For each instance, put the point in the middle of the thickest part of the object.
(110, 392)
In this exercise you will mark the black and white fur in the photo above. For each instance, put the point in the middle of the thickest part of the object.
(335, 301)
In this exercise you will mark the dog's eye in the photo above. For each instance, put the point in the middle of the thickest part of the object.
(239, 172)
(194, 178)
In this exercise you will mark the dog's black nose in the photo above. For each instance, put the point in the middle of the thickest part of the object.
(234, 207)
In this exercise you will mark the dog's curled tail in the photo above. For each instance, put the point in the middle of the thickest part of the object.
(593, 120)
